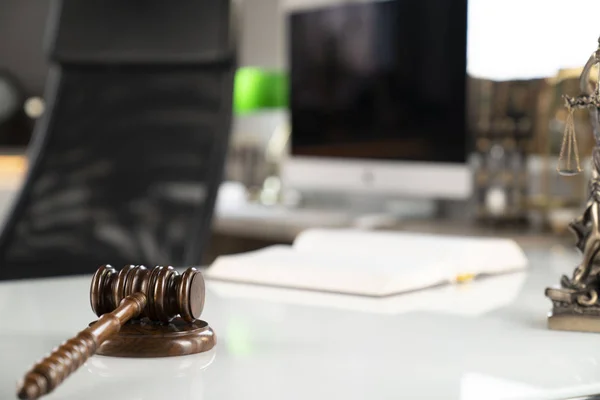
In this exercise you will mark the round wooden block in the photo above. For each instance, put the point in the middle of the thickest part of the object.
(148, 339)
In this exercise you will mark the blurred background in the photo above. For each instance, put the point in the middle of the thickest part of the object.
(178, 133)
(437, 116)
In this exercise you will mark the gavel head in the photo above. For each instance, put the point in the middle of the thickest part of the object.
(168, 293)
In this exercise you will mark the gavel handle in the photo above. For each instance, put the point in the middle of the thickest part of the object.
(48, 373)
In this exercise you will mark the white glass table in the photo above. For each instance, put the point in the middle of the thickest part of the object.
(481, 340)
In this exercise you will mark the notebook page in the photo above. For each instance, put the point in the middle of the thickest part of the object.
(340, 273)
(455, 255)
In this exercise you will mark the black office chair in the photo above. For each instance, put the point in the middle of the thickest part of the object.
(126, 164)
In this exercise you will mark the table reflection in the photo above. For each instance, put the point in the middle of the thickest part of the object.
(139, 378)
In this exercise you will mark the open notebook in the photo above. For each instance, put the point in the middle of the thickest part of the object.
(370, 263)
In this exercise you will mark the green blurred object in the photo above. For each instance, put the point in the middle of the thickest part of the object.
(278, 93)
(256, 89)
(239, 340)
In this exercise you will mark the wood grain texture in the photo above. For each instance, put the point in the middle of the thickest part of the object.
(169, 293)
(148, 339)
(48, 373)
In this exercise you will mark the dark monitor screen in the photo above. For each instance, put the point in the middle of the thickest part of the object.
(380, 80)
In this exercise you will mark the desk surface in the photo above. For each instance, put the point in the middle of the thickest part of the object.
(482, 340)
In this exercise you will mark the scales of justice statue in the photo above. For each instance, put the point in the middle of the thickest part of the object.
(576, 302)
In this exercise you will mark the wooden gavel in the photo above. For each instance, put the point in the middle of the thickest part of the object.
(160, 294)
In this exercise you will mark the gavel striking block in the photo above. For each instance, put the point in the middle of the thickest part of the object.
(142, 313)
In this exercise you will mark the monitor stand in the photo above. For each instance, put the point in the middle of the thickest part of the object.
(371, 211)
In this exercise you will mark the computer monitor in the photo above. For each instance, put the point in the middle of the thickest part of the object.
(377, 98)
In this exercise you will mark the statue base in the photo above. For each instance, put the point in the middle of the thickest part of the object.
(574, 323)
(568, 315)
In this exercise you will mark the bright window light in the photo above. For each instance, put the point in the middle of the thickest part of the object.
(521, 39)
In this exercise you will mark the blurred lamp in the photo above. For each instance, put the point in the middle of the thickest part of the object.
(260, 96)
(258, 89)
